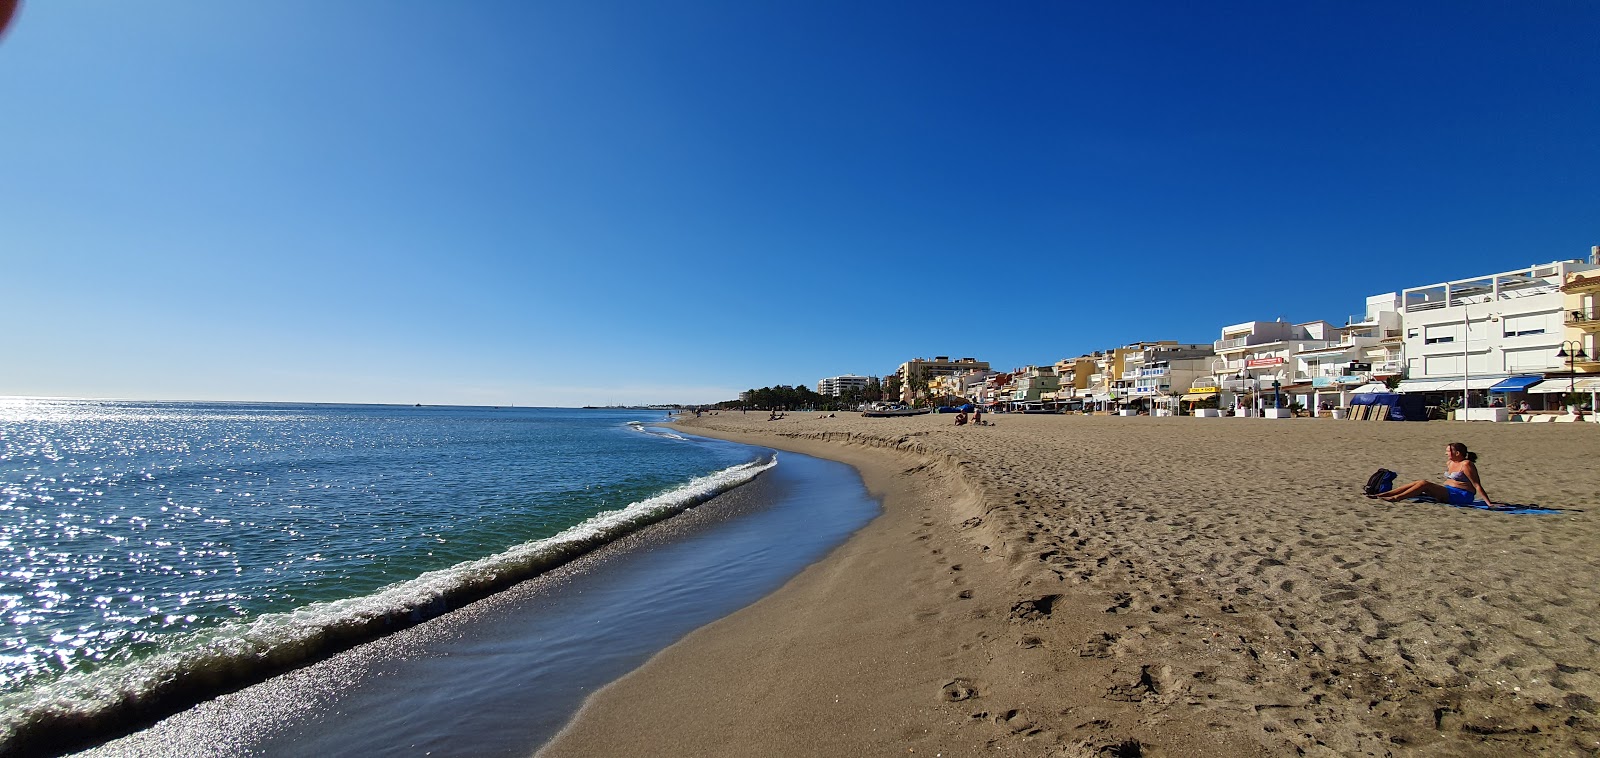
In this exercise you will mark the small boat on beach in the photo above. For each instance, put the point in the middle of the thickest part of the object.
(885, 410)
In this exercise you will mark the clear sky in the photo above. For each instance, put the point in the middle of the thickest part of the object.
(560, 203)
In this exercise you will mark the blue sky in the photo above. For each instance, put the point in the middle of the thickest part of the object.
(560, 203)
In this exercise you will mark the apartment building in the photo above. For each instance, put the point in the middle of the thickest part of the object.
(835, 386)
(1034, 384)
(1163, 371)
(1502, 332)
(1369, 350)
(918, 371)
(1257, 360)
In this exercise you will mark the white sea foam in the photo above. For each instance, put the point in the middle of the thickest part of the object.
(233, 654)
(654, 431)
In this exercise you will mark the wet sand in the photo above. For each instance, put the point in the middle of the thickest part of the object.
(1076, 586)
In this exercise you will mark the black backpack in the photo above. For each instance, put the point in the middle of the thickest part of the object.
(1381, 481)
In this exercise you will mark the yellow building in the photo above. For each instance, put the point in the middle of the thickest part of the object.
(917, 371)
(1582, 320)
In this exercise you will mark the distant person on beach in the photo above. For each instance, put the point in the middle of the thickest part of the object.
(961, 418)
(1461, 486)
(977, 415)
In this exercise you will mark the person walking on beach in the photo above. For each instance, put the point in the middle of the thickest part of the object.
(1461, 484)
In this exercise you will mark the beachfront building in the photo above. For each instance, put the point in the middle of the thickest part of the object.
(1581, 312)
(1162, 372)
(1034, 384)
(1073, 375)
(1496, 334)
(993, 390)
(1097, 393)
(1369, 351)
(915, 374)
(836, 386)
(1257, 360)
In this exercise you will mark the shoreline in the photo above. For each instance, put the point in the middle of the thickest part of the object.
(1074, 585)
(503, 674)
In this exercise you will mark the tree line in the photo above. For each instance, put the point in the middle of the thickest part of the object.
(802, 397)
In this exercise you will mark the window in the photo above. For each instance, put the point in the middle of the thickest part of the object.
(1519, 326)
(1411, 333)
(1531, 359)
(1440, 333)
(1443, 365)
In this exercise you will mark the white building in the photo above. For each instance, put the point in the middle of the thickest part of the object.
(1161, 372)
(1255, 355)
(1369, 351)
(835, 386)
(1474, 334)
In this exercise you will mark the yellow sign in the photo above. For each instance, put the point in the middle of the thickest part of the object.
(1199, 390)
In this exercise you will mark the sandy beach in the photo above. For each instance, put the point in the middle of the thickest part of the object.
(1079, 586)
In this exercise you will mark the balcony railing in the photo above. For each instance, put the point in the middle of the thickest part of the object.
(1584, 315)
(1232, 343)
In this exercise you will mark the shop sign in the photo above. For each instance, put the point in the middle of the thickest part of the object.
(1260, 362)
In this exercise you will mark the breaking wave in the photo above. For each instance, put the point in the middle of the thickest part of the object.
(207, 663)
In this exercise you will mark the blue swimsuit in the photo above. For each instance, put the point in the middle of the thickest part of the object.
(1459, 495)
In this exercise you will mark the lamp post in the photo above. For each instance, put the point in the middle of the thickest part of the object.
(1572, 357)
(1275, 404)
(1466, 359)
(1242, 375)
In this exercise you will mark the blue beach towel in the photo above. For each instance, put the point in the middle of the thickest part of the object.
(1514, 509)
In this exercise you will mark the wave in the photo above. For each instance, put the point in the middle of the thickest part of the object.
(654, 431)
(77, 709)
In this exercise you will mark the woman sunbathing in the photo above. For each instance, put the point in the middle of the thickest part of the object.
(1461, 484)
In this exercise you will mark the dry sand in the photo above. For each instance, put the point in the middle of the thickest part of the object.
(1076, 586)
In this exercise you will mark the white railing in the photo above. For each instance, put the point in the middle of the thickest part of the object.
(1231, 343)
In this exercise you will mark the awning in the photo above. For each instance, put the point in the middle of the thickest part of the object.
(1193, 396)
(1426, 385)
(1322, 381)
(1584, 384)
(1446, 385)
(1516, 384)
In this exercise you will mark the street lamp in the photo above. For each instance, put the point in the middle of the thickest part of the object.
(1243, 375)
(1573, 357)
(1466, 359)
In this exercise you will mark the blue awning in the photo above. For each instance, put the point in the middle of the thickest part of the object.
(1516, 384)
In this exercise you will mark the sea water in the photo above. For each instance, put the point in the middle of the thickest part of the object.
(159, 551)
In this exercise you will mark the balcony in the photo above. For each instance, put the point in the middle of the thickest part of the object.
(1587, 319)
(1231, 343)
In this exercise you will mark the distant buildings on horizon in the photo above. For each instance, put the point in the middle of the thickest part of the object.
(1508, 333)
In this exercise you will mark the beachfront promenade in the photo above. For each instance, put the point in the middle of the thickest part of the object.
(1071, 585)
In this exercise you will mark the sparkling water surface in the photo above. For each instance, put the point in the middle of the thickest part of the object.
(126, 527)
